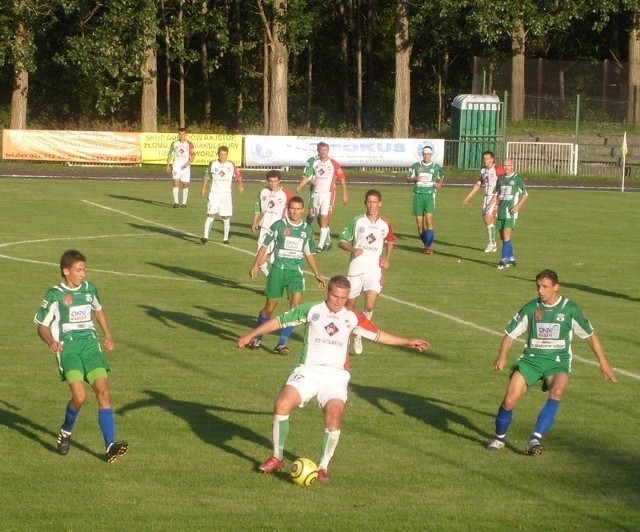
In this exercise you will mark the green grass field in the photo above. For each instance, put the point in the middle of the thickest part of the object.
(197, 412)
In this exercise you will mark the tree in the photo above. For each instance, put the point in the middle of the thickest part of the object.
(403, 47)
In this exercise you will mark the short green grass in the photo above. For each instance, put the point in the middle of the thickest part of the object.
(197, 411)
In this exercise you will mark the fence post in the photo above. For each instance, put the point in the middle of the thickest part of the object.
(577, 119)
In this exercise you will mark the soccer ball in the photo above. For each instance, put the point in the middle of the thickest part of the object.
(304, 472)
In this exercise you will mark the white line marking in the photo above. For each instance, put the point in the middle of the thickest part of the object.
(145, 276)
(390, 298)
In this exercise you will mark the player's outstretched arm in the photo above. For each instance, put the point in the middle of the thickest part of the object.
(412, 343)
(605, 367)
(267, 327)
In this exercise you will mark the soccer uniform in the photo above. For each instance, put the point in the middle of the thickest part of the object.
(68, 313)
(182, 152)
(273, 207)
(323, 367)
(221, 176)
(509, 189)
(424, 190)
(291, 244)
(550, 329)
(488, 181)
(364, 271)
(323, 176)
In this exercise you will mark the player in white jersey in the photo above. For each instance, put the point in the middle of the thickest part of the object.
(489, 175)
(366, 237)
(549, 321)
(181, 155)
(323, 369)
(323, 173)
(270, 206)
(220, 174)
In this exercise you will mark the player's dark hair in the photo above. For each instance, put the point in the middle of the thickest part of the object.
(69, 258)
(274, 173)
(182, 129)
(373, 192)
(223, 148)
(548, 274)
(489, 152)
(322, 145)
(340, 281)
(296, 199)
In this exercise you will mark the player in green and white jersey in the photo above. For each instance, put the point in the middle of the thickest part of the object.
(550, 321)
(510, 194)
(426, 177)
(323, 368)
(293, 242)
(65, 323)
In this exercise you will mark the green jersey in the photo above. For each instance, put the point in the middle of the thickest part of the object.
(68, 312)
(291, 244)
(549, 328)
(428, 175)
(509, 189)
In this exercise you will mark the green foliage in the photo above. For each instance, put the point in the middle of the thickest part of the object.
(197, 412)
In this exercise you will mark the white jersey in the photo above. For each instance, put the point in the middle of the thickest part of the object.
(326, 337)
(272, 205)
(181, 153)
(221, 176)
(370, 237)
(489, 179)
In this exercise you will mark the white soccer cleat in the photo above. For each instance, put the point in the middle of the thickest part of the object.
(495, 445)
(357, 344)
(491, 248)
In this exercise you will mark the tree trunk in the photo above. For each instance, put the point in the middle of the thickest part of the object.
(278, 112)
(517, 73)
(345, 15)
(402, 101)
(309, 87)
(266, 60)
(18, 115)
(369, 82)
(204, 70)
(149, 104)
(633, 105)
(167, 62)
(181, 71)
(359, 73)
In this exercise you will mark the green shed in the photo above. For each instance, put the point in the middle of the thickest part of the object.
(475, 128)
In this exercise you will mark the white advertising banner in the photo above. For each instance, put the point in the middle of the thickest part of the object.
(262, 150)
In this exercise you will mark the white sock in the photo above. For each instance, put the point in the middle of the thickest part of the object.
(207, 226)
(328, 447)
(176, 195)
(324, 233)
(280, 432)
(185, 195)
(491, 231)
(226, 226)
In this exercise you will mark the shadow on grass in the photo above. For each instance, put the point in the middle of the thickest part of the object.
(218, 328)
(37, 433)
(429, 410)
(224, 282)
(175, 233)
(589, 289)
(205, 424)
(142, 200)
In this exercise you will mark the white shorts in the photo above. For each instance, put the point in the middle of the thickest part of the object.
(365, 282)
(221, 204)
(322, 204)
(182, 174)
(323, 382)
(485, 206)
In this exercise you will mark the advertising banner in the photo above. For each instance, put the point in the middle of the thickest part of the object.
(90, 147)
(155, 147)
(279, 151)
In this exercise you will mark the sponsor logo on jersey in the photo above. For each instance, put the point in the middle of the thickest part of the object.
(547, 330)
(331, 329)
(538, 315)
(371, 238)
(67, 300)
(80, 313)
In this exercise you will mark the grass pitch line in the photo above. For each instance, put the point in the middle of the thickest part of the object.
(113, 272)
(390, 298)
(491, 331)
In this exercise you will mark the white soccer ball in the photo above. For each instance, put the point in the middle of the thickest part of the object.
(304, 472)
